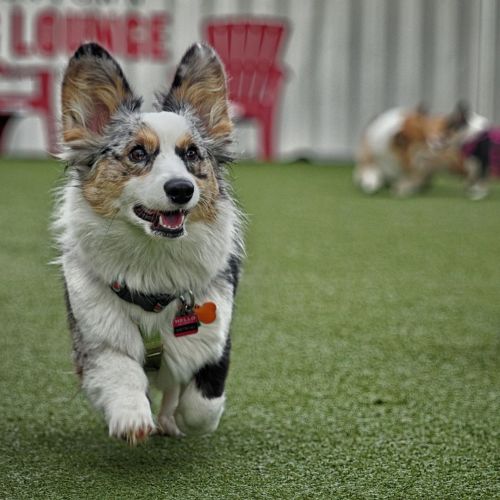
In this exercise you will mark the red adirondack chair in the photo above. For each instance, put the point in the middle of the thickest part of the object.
(250, 51)
(38, 99)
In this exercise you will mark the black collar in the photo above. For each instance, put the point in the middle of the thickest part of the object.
(150, 303)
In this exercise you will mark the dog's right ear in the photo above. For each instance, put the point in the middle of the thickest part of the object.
(422, 109)
(93, 89)
(200, 82)
(459, 117)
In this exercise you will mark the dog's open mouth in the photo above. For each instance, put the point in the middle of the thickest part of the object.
(170, 224)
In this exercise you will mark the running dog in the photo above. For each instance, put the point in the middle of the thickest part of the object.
(150, 242)
(403, 149)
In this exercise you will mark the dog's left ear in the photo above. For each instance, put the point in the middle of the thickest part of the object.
(200, 82)
(422, 109)
(459, 116)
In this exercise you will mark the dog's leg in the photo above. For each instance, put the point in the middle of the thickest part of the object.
(367, 173)
(171, 389)
(107, 351)
(202, 402)
(166, 421)
(406, 186)
(478, 167)
(369, 178)
(198, 414)
(117, 385)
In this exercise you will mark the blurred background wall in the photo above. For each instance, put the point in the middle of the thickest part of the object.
(345, 60)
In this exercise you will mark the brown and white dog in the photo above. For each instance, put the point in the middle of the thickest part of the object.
(403, 149)
(146, 227)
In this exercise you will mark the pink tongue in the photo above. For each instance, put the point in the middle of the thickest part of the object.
(172, 220)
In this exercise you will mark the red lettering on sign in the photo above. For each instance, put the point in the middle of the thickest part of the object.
(47, 33)
(129, 35)
(74, 32)
(158, 29)
(19, 48)
(133, 35)
(104, 32)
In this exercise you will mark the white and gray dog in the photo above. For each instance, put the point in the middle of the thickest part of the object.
(150, 242)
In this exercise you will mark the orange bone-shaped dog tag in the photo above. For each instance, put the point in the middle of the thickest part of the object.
(206, 312)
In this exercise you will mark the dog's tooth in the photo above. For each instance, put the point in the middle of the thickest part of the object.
(172, 220)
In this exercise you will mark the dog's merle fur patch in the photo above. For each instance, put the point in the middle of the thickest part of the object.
(211, 379)
(79, 352)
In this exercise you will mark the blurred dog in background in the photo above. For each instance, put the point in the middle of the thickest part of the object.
(404, 148)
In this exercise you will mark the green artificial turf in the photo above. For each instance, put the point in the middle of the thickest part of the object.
(365, 352)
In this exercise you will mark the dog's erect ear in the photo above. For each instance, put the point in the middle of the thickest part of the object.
(93, 88)
(200, 82)
(462, 109)
(422, 109)
(460, 116)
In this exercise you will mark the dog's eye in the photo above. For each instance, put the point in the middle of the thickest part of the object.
(192, 154)
(137, 154)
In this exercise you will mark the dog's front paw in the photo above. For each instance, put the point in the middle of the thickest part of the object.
(131, 421)
(168, 427)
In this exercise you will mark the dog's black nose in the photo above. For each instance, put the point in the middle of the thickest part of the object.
(180, 191)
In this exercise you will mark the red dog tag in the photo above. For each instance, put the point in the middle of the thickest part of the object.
(185, 324)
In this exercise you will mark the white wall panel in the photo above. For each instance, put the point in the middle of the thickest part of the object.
(408, 53)
(488, 38)
(373, 57)
(446, 62)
